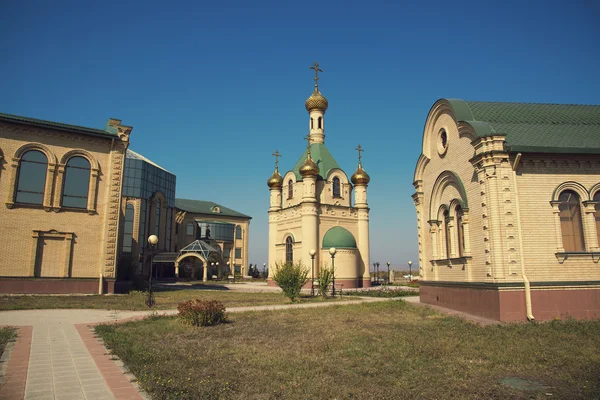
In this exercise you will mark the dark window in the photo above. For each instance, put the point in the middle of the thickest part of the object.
(461, 231)
(238, 252)
(597, 214)
(336, 187)
(238, 232)
(227, 252)
(32, 178)
(290, 189)
(312, 123)
(444, 139)
(190, 229)
(289, 250)
(128, 229)
(447, 232)
(570, 221)
(77, 183)
(157, 218)
(320, 122)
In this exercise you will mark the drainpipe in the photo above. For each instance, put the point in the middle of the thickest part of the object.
(530, 316)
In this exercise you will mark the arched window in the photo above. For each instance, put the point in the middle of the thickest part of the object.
(289, 250)
(77, 183)
(320, 122)
(570, 221)
(290, 189)
(460, 230)
(189, 230)
(157, 218)
(312, 123)
(336, 187)
(32, 178)
(447, 232)
(597, 214)
(128, 229)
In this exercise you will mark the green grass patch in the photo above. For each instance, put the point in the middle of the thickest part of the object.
(6, 335)
(383, 292)
(372, 350)
(135, 301)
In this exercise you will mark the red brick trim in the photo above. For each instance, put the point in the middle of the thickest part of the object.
(116, 381)
(13, 386)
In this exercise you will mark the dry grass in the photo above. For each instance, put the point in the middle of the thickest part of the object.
(385, 350)
(6, 335)
(165, 300)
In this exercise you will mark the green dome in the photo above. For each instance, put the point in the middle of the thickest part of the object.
(340, 238)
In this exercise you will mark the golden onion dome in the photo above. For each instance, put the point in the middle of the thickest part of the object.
(309, 168)
(360, 176)
(316, 101)
(275, 181)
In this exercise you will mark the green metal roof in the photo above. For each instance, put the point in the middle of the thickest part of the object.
(108, 133)
(321, 156)
(339, 237)
(206, 207)
(534, 127)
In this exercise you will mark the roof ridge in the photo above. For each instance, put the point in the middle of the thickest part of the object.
(53, 123)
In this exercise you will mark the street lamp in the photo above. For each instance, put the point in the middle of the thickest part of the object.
(152, 241)
(388, 276)
(312, 253)
(410, 270)
(374, 271)
(377, 263)
(264, 267)
(332, 252)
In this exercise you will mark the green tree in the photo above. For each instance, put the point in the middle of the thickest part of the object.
(290, 278)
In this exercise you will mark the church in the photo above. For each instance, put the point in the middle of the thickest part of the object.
(315, 210)
(508, 209)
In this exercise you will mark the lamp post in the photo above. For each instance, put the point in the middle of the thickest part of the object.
(410, 270)
(388, 275)
(377, 263)
(332, 252)
(312, 253)
(264, 267)
(229, 264)
(152, 241)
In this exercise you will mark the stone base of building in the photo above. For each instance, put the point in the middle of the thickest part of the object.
(507, 302)
(55, 286)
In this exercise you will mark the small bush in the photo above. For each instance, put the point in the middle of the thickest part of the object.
(290, 278)
(201, 312)
(325, 279)
(385, 292)
(414, 283)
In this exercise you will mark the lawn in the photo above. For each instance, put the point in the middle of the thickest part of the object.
(6, 335)
(165, 299)
(388, 350)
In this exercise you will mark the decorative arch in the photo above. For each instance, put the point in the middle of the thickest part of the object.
(194, 255)
(444, 180)
(14, 170)
(593, 190)
(94, 174)
(578, 188)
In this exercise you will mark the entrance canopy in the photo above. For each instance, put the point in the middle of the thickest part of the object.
(201, 247)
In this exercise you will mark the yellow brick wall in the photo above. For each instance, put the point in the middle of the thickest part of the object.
(17, 225)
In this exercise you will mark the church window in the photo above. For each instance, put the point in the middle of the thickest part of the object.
(461, 231)
(289, 250)
(320, 122)
(32, 177)
(337, 187)
(290, 189)
(442, 143)
(128, 229)
(570, 221)
(447, 233)
(312, 121)
(189, 230)
(77, 183)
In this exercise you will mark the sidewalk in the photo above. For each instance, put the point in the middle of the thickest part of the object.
(58, 357)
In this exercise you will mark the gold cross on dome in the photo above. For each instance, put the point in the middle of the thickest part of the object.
(277, 155)
(315, 66)
(360, 150)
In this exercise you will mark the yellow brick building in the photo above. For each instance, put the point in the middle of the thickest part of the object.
(508, 209)
(61, 188)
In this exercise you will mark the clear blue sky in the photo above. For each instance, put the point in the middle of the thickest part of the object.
(213, 88)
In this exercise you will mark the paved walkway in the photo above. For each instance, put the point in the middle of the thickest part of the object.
(58, 357)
